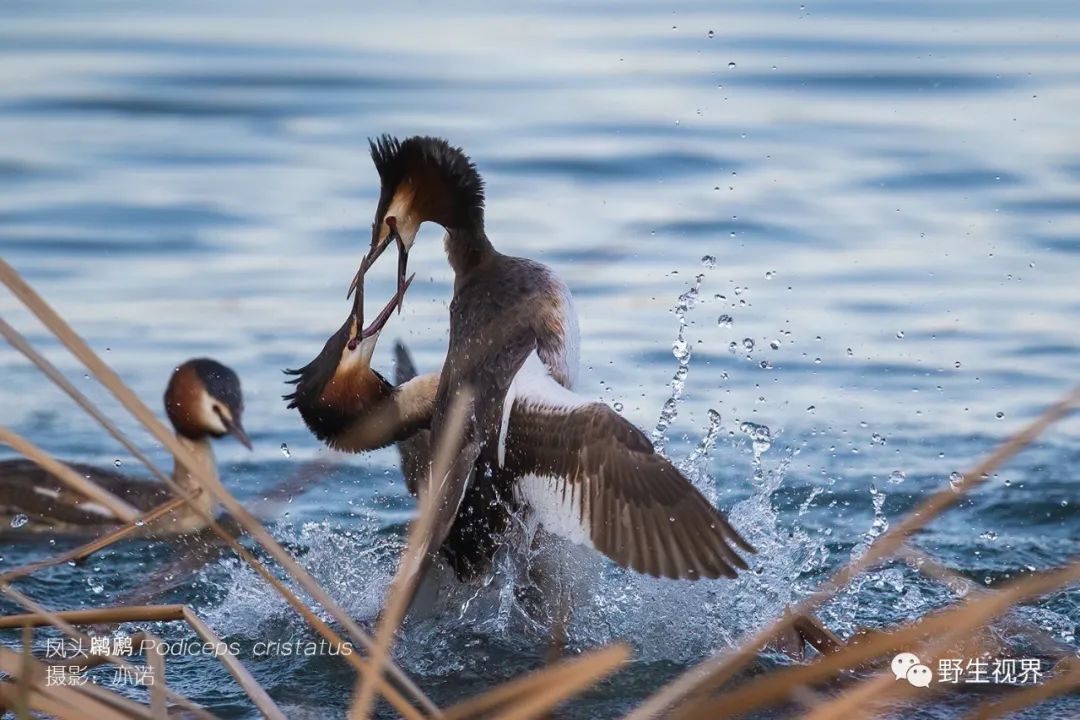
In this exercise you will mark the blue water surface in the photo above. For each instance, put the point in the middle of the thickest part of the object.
(854, 223)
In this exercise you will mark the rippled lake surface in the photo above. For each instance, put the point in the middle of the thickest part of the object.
(857, 224)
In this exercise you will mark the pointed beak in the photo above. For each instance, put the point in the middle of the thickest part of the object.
(381, 319)
(237, 431)
(393, 236)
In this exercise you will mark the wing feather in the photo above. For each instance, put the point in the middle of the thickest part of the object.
(634, 505)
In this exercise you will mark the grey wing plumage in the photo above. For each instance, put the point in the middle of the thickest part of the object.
(632, 503)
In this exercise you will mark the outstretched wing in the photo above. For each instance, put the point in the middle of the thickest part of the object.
(594, 478)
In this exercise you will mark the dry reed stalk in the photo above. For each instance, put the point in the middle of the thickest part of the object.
(129, 400)
(931, 568)
(156, 658)
(20, 698)
(722, 667)
(84, 551)
(157, 613)
(539, 681)
(858, 701)
(240, 673)
(81, 485)
(418, 545)
(71, 632)
(20, 343)
(28, 662)
(93, 616)
(1068, 680)
(93, 700)
(587, 671)
(37, 699)
(781, 685)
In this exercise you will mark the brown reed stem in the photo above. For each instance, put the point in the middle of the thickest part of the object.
(92, 700)
(719, 669)
(240, 673)
(129, 400)
(79, 484)
(1068, 680)
(587, 671)
(418, 545)
(82, 552)
(536, 681)
(94, 616)
(781, 685)
(69, 630)
(973, 614)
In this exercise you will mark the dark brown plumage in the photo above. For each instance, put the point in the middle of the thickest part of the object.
(637, 508)
(506, 310)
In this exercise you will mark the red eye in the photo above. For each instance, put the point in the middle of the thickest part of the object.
(353, 343)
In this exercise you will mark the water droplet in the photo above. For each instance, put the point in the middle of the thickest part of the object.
(618, 407)
(774, 344)
(748, 344)
(897, 476)
(725, 321)
(810, 408)
(708, 261)
(714, 417)
(711, 34)
(989, 535)
(999, 414)
(956, 480)
(285, 450)
(760, 436)
(731, 66)
(770, 274)
(116, 462)
(17, 521)
(899, 334)
(680, 349)
(733, 347)
(95, 586)
(877, 439)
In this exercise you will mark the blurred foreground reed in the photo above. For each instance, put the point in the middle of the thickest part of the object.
(847, 681)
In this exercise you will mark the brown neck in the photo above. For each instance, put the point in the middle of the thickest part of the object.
(397, 416)
(204, 456)
(466, 249)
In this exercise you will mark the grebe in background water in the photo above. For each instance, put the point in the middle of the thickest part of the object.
(203, 401)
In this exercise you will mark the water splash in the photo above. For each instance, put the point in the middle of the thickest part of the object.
(680, 348)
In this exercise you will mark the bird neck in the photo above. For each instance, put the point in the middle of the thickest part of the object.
(397, 416)
(203, 453)
(467, 248)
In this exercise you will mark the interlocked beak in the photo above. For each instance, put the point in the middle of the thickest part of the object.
(393, 236)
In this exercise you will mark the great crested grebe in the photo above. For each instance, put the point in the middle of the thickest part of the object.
(203, 401)
(587, 473)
